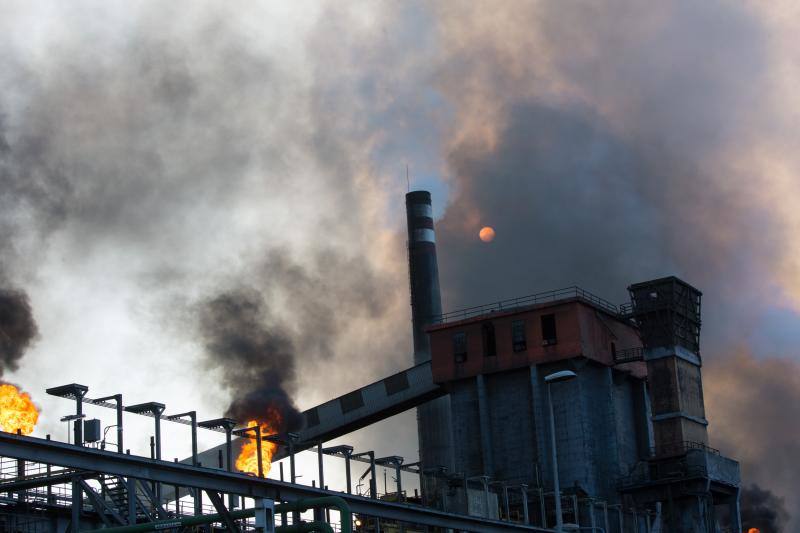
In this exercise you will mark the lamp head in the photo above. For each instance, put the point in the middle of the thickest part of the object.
(563, 375)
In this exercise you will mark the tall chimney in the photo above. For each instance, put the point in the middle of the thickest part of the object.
(433, 419)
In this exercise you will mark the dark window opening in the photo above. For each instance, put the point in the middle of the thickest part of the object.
(549, 330)
(489, 341)
(460, 347)
(613, 350)
(351, 401)
(518, 339)
(312, 417)
(396, 383)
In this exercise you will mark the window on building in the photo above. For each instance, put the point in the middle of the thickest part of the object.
(460, 347)
(489, 341)
(549, 330)
(518, 340)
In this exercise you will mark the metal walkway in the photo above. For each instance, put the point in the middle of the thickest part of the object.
(91, 460)
(355, 410)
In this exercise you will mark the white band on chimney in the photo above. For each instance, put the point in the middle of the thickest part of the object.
(424, 235)
(422, 210)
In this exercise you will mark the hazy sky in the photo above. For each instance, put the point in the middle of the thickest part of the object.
(156, 156)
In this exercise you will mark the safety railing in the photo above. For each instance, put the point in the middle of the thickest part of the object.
(678, 448)
(629, 355)
(525, 301)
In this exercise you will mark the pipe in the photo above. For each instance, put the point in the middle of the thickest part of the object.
(321, 466)
(303, 527)
(228, 447)
(258, 451)
(291, 461)
(346, 517)
(179, 522)
(399, 483)
(77, 502)
(347, 474)
(300, 505)
(525, 514)
(554, 461)
(373, 481)
(78, 427)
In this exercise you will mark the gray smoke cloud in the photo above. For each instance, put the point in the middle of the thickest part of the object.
(18, 329)
(608, 143)
(762, 510)
(751, 401)
(255, 354)
(256, 336)
(157, 156)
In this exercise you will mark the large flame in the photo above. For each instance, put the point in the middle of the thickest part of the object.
(248, 458)
(17, 410)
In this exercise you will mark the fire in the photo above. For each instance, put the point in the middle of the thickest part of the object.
(248, 457)
(17, 410)
(753, 530)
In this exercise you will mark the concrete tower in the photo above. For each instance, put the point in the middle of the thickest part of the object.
(433, 419)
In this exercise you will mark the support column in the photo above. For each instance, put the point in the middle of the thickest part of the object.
(485, 426)
(735, 512)
(77, 503)
(347, 474)
(525, 516)
(540, 427)
(321, 466)
(130, 486)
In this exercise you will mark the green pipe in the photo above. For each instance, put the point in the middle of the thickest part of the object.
(178, 522)
(306, 527)
(326, 501)
(299, 505)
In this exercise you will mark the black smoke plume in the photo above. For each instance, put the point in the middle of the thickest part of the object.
(17, 328)
(763, 510)
(256, 336)
(255, 353)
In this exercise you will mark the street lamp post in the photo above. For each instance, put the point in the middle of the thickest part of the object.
(555, 377)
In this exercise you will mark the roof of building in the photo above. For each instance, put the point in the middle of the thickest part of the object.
(523, 303)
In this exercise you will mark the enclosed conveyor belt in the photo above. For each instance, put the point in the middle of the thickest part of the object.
(355, 410)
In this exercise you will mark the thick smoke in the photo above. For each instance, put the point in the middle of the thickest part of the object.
(257, 336)
(609, 143)
(256, 355)
(762, 510)
(753, 403)
(161, 153)
(17, 328)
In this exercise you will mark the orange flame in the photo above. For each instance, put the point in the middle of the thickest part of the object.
(248, 457)
(753, 530)
(17, 410)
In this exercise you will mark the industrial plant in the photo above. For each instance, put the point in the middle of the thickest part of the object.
(553, 412)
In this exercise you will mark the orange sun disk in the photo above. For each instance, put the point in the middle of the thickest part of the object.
(486, 234)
